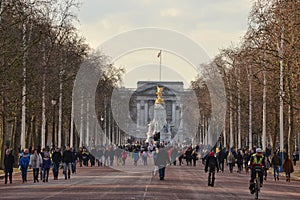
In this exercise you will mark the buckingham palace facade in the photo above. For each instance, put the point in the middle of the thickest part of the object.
(142, 106)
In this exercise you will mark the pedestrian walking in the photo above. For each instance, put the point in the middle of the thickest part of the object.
(288, 168)
(85, 157)
(194, 156)
(106, 155)
(221, 159)
(75, 158)
(46, 166)
(111, 155)
(80, 156)
(295, 157)
(212, 164)
(162, 159)
(180, 156)
(188, 156)
(144, 155)
(99, 157)
(23, 165)
(135, 156)
(56, 160)
(246, 158)
(174, 154)
(239, 162)
(230, 161)
(35, 163)
(276, 163)
(42, 152)
(67, 160)
(9, 161)
(124, 156)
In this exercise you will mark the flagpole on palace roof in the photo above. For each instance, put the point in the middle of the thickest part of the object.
(160, 58)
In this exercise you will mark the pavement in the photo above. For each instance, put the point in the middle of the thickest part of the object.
(131, 182)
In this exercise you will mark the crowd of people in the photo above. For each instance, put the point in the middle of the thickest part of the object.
(246, 160)
(41, 161)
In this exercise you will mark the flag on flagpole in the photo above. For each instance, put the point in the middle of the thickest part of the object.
(159, 53)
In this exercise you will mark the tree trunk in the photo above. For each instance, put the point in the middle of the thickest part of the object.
(31, 131)
(17, 136)
(2, 131)
(72, 125)
(290, 116)
(250, 108)
(239, 142)
(264, 132)
(231, 142)
(28, 136)
(275, 129)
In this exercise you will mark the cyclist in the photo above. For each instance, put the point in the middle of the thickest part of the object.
(256, 159)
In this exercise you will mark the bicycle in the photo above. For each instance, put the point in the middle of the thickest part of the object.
(258, 170)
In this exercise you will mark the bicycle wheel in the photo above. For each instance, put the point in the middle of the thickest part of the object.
(257, 186)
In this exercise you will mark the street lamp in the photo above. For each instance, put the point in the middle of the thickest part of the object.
(104, 137)
(53, 122)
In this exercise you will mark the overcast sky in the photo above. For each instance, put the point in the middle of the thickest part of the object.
(213, 24)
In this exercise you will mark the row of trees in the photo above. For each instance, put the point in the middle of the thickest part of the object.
(262, 79)
(40, 55)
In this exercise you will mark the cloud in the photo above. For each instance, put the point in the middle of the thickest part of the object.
(212, 24)
(170, 12)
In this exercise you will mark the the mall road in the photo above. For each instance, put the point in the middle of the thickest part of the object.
(181, 182)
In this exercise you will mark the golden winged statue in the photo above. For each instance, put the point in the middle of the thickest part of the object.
(159, 100)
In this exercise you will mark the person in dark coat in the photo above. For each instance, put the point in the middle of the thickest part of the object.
(212, 164)
(221, 158)
(80, 156)
(85, 157)
(162, 159)
(276, 163)
(188, 156)
(46, 166)
(67, 159)
(194, 156)
(239, 161)
(56, 159)
(75, 157)
(92, 159)
(9, 161)
(288, 168)
(246, 158)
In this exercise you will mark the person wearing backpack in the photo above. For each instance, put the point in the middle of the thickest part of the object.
(212, 164)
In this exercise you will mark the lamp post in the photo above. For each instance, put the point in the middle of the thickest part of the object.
(103, 128)
(53, 122)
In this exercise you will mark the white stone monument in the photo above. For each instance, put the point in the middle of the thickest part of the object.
(159, 123)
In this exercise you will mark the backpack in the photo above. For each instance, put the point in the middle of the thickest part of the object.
(212, 162)
(124, 155)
